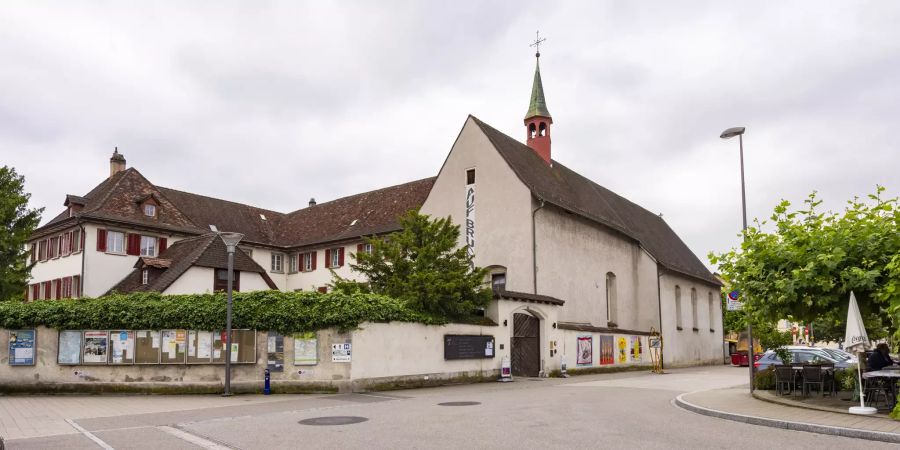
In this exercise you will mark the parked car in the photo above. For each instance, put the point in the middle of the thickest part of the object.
(809, 355)
(841, 355)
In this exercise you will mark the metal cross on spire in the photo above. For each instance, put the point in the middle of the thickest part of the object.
(537, 43)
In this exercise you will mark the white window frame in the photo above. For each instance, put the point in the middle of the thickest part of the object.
(307, 262)
(335, 258)
(76, 236)
(277, 263)
(149, 250)
(110, 241)
(149, 210)
(367, 248)
(292, 263)
(612, 299)
(145, 276)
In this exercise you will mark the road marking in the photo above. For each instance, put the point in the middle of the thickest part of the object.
(89, 435)
(193, 438)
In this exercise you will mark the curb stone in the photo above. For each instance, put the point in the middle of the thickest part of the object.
(881, 436)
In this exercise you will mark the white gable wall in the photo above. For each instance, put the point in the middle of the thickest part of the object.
(574, 255)
(686, 346)
(200, 280)
(502, 206)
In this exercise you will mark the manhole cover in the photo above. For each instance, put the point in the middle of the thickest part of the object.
(459, 403)
(333, 420)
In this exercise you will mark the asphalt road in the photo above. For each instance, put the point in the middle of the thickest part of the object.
(629, 410)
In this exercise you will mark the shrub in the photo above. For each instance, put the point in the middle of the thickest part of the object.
(765, 379)
(284, 312)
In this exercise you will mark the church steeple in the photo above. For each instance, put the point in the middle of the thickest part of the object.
(538, 120)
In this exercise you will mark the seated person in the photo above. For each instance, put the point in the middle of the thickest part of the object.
(880, 358)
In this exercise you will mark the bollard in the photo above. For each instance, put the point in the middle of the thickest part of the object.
(268, 388)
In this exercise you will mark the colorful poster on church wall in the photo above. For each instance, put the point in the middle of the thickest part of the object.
(607, 350)
(470, 211)
(637, 349)
(622, 347)
(585, 350)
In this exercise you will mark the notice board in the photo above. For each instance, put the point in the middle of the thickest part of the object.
(21, 347)
(464, 346)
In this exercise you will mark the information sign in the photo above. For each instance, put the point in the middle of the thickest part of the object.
(462, 346)
(21, 347)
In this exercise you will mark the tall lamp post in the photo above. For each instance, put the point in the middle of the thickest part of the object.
(728, 134)
(231, 241)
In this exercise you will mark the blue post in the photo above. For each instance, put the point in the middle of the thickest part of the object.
(268, 389)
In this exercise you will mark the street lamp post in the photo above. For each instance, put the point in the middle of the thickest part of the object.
(231, 241)
(728, 134)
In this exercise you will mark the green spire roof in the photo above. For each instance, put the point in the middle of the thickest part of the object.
(538, 106)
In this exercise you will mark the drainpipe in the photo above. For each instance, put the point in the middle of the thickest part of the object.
(534, 245)
(83, 252)
(662, 363)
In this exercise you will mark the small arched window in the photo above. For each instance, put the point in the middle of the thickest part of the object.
(678, 307)
(532, 131)
(694, 309)
(612, 307)
(543, 129)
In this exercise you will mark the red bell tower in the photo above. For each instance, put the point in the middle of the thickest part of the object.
(538, 120)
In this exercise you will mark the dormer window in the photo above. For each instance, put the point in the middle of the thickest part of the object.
(149, 210)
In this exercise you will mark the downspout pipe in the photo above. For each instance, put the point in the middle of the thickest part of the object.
(662, 363)
(534, 244)
(83, 253)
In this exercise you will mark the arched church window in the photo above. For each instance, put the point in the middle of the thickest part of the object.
(694, 308)
(678, 307)
(612, 307)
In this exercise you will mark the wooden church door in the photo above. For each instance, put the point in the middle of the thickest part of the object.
(526, 346)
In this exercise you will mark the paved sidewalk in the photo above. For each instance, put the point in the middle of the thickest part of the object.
(736, 403)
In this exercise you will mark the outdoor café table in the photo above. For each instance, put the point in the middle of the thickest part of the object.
(892, 375)
(798, 372)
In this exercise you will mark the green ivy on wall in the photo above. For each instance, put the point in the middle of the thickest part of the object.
(284, 312)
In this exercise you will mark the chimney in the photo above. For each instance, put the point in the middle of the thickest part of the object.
(116, 163)
(312, 202)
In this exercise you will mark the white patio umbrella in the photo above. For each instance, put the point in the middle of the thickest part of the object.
(856, 337)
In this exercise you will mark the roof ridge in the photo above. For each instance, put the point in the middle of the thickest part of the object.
(317, 205)
(220, 199)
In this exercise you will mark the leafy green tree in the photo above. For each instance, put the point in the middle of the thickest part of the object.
(422, 266)
(806, 267)
(17, 222)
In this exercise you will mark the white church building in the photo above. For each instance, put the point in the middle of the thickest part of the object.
(568, 258)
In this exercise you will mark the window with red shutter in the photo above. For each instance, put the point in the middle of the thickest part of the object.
(327, 258)
(72, 238)
(163, 245)
(76, 286)
(134, 244)
(341, 257)
(359, 249)
(101, 240)
(314, 260)
(33, 252)
(35, 291)
(58, 283)
(45, 291)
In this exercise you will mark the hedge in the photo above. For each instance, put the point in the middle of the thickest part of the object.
(284, 312)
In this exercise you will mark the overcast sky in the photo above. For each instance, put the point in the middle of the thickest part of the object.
(272, 103)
